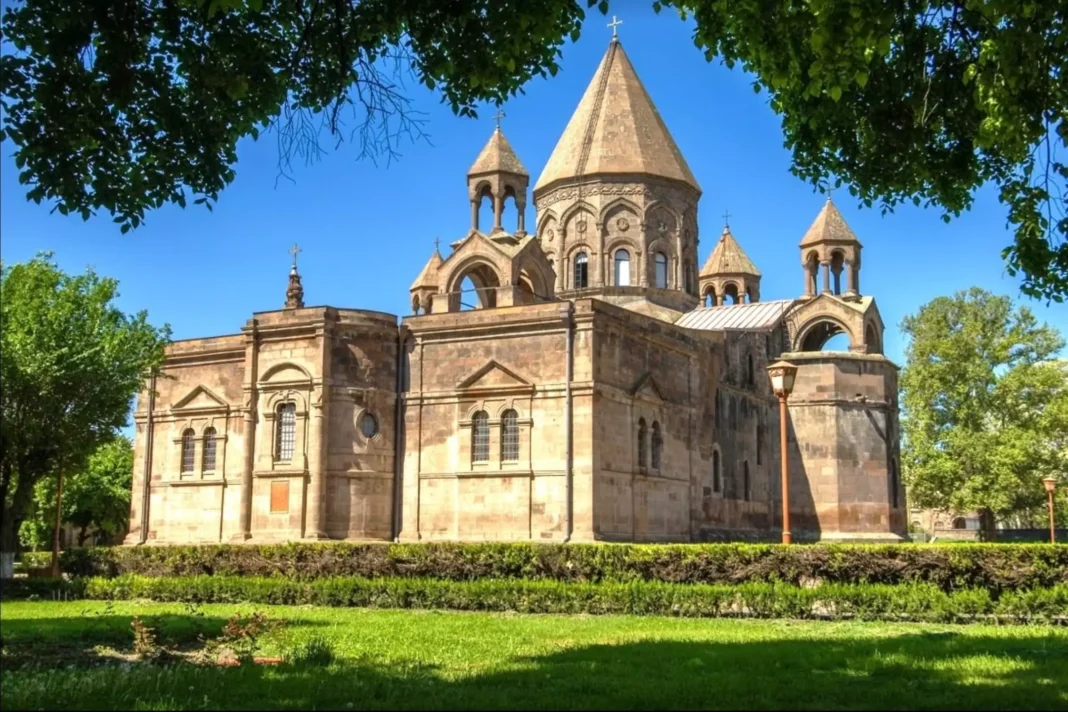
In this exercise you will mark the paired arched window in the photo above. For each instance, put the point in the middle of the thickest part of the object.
(582, 271)
(661, 271)
(189, 446)
(893, 483)
(208, 460)
(658, 444)
(510, 436)
(717, 480)
(480, 437)
(745, 481)
(622, 272)
(642, 435)
(286, 431)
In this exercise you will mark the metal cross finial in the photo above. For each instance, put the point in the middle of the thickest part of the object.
(614, 24)
(499, 115)
(293, 251)
(726, 218)
(437, 243)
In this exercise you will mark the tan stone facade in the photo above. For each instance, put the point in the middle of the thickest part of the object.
(586, 397)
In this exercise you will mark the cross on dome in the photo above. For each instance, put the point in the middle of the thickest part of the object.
(294, 250)
(498, 116)
(615, 23)
(726, 218)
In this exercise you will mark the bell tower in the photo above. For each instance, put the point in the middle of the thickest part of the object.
(829, 251)
(498, 174)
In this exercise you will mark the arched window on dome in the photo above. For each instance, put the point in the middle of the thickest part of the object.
(582, 271)
(622, 272)
(661, 271)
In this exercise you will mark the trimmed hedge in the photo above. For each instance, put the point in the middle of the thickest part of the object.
(908, 602)
(994, 567)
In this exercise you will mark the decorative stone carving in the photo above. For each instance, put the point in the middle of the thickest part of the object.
(581, 226)
(623, 224)
(550, 234)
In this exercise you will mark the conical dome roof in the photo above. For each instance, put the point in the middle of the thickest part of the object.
(829, 226)
(728, 257)
(497, 156)
(429, 276)
(616, 130)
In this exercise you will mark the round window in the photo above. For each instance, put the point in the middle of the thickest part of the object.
(368, 425)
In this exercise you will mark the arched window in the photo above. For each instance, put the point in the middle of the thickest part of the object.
(959, 523)
(286, 431)
(208, 460)
(717, 482)
(622, 268)
(760, 443)
(893, 483)
(189, 445)
(657, 446)
(480, 437)
(661, 273)
(745, 480)
(750, 374)
(642, 435)
(582, 270)
(510, 436)
(719, 410)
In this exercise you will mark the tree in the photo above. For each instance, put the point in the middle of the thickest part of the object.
(123, 107)
(921, 100)
(984, 406)
(72, 362)
(96, 497)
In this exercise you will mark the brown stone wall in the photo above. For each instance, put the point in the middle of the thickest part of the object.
(844, 433)
(489, 361)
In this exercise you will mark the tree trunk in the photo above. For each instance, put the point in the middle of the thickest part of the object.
(9, 545)
(59, 527)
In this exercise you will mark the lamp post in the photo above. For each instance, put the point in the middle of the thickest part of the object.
(1050, 484)
(782, 375)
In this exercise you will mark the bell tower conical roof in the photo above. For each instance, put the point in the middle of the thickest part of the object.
(728, 257)
(497, 156)
(616, 129)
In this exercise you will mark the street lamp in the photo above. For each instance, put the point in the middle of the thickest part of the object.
(782, 375)
(1050, 484)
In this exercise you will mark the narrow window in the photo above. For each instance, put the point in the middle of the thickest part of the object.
(510, 436)
(188, 449)
(657, 445)
(719, 410)
(642, 435)
(893, 483)
(750, 375)
(286, 435)
(622, 268)
(209, 450)
(480, 437)
(717, 484)
(661, 271)
(745, 480)
(760, 443)
(582, 265)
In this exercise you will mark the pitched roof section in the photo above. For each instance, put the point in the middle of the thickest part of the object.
(829, 226)
(728, 257)
(429, 276)
(737, 317)
(497, 156)
(616, 130)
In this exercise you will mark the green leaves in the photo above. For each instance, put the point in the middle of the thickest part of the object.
(71, 364)
(985, 405)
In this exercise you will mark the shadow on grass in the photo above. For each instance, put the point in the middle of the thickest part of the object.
(947, 670)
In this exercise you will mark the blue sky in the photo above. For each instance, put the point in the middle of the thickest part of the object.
(367, 230)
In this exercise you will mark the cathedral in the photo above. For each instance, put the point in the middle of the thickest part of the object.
(581, 381)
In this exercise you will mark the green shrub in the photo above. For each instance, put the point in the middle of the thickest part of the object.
(914, 601)
(994, 567)
(317, 651)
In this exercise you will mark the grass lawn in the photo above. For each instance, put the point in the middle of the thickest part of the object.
(439, 660)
